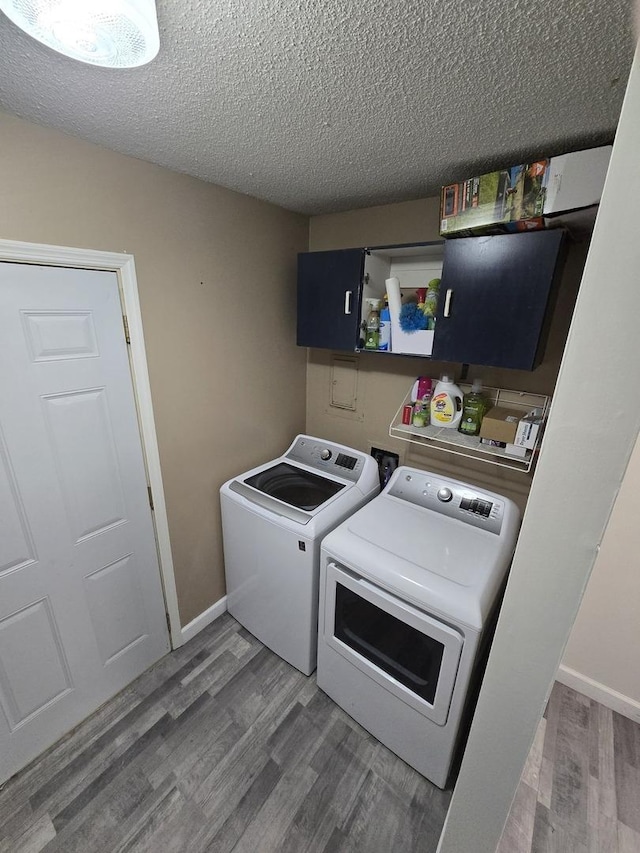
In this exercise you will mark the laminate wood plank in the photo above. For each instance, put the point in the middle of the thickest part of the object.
(603, 838)
(33, 837)
(101, 815)
(628, 839)
(91, 791)
(194, 772)
(196, 741)
(626, 737)
(594, 740)
(209, 679)
(133, 826)
(531, 772)
(517, 834)
(171, 828)
(427, 813)
(336, 843)
(549, 836)
(147, 710)
(545, 782)
(552, 715)
(267, 829)
(340, 777)
(569, 796)
(627, 793)
(249, 750)
(15, 825)
(402, 778)
(606, 762)
(226, 838)
(593, 803)
(379, 823)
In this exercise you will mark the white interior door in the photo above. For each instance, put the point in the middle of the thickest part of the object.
(81, 605)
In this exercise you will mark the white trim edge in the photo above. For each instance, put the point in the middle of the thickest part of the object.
(599, 692)
(124, 267)
(205, 618)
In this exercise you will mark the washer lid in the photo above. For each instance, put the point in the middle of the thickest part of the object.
(295, 486)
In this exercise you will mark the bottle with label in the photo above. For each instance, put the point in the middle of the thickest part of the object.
(422, 412)
(384, 344)
(431, 302)
(372, 338)
(474, 406)
(446, 404)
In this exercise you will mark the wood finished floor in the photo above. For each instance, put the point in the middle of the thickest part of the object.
(580, 789)
(221, 746)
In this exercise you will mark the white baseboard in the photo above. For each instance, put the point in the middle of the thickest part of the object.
(205, 618)
(600, 692)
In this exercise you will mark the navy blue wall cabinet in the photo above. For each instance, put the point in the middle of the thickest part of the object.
(495, 304)
(496, 298)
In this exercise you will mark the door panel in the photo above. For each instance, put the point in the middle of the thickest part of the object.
(499, 290)
(329, 285)
(29, 642)
(81, 605)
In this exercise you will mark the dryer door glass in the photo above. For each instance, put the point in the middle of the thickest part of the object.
(295, 486)
(408, 655)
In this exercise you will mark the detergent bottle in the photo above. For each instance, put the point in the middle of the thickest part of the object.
(446, 404)
(372, 339)
(474, 407)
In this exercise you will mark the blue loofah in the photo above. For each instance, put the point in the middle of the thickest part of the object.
(412, 318)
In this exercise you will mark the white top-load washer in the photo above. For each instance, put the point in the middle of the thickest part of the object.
(409, 586)
(273, 518)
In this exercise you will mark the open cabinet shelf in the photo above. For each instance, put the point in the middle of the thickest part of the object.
(451, 441)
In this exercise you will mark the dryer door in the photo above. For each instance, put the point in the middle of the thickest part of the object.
(411, 654)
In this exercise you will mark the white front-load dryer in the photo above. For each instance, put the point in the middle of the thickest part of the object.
(408, 588)
(273, 518)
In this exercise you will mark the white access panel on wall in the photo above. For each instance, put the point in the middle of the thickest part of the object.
(81, 605)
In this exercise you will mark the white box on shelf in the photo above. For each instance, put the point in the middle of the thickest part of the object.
(527, 432)
(515, 450)
(410, 343)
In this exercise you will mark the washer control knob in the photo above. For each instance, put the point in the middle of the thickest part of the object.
(325, 454)
(445, 494)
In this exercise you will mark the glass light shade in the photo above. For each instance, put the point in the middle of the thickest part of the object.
(111, 33)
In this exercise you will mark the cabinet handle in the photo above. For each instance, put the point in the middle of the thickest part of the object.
(447, 303)
(347, 301)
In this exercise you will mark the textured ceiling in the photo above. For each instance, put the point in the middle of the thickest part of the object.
(324, 105)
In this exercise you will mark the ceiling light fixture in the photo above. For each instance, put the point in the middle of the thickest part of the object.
(111, 33)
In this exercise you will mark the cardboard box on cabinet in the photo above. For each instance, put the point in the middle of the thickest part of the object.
(546, 193)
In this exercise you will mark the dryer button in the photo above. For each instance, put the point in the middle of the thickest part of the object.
(445, 494)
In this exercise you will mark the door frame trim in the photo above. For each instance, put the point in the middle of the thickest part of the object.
(123, 265)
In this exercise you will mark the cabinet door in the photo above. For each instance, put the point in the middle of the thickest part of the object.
(494, 298)
(329, 285)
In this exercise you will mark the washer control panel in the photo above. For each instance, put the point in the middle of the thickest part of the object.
(327, 457)
(465, 503)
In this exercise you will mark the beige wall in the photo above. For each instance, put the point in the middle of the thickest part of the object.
(605, 638)
(384, 379)
(216, 277)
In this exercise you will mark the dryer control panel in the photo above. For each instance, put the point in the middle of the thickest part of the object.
(460, 501)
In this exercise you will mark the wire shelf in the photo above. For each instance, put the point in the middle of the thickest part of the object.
(450, 440)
